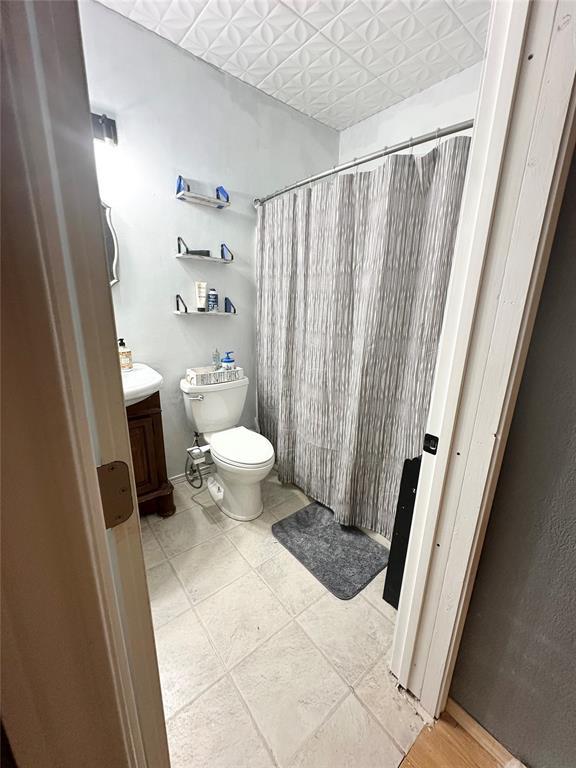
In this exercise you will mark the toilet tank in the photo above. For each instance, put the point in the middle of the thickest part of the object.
(214, 407)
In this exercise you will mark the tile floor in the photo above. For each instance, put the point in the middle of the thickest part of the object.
(260, 665)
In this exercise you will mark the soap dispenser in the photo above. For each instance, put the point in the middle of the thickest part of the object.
(228, 361)
(125, 355)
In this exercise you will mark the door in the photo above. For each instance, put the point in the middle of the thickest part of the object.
(522, 144)
(65, 417)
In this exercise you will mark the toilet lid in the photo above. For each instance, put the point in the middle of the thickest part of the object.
(241, 446)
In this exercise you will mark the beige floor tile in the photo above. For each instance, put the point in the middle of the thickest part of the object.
(226, 523)
(216, 731)
(255, 539)
(203, 498)
(209, 567)
(184, 530)
(294, 586)
(350, 738)
(351, 633)
(241, 616)
(153, 554)
(289, 688)
(187, 661)
(167, 598)
(392, 707)
(293, 500)
(373, 593)
(184, 494)
(273, 492)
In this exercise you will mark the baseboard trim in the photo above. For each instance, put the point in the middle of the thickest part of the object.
(482, 736)
(207, 469)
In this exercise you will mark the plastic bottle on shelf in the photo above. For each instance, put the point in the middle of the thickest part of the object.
(212, 300)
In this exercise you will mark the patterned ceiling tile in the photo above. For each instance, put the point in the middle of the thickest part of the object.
(339, 61)
(478, 28)
(149, 13)
(120, 6)
(178, 18)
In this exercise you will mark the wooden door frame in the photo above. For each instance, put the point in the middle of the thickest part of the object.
(522, 145)
(58, 263)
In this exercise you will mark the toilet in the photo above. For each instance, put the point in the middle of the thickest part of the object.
(243, 458)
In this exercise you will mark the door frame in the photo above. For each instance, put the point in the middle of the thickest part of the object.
(522, 145)
(69, 300)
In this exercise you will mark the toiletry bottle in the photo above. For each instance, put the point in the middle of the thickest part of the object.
(125, 356)
(216, 360)
(212, 300)
(228, 361)
(200, 296)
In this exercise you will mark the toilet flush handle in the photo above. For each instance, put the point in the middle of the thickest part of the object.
(196, 397)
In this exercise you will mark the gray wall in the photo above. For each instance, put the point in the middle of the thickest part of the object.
(177, 114)
(516, 671)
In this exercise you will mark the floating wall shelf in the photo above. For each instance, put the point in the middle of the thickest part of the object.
(198, 199)
(207, 314)
(205, 259)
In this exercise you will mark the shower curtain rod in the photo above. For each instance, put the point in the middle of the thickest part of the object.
(414, 141)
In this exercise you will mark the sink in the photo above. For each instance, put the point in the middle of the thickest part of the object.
(139, 383)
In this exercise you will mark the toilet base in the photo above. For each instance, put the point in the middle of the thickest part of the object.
(239, 502)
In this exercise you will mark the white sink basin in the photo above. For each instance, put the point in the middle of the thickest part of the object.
(139, 383)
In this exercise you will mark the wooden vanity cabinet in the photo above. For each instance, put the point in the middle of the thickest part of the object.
(147, 443)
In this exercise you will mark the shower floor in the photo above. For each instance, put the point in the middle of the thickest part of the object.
(260, 665)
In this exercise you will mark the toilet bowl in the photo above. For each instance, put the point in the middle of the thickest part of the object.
(243, 458)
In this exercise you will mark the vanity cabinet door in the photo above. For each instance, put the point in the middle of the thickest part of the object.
(143, 454)
(148, 457)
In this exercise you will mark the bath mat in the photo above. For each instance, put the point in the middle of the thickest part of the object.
(342, 558)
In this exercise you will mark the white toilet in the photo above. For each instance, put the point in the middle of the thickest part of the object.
(243, 458)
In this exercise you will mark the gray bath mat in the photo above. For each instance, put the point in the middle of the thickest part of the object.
(343, 559)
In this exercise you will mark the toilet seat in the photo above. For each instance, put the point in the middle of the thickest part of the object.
(242, 448)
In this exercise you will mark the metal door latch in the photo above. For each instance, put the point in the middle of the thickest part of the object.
(430, 444)
(115, 492)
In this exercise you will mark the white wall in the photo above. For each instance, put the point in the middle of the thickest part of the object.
(451, 101)
(175, 115)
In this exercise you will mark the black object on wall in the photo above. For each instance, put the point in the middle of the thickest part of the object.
(401, 533)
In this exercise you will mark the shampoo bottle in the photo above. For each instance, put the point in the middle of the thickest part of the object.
(125, 356)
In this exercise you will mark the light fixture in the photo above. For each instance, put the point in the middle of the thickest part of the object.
(104, 128)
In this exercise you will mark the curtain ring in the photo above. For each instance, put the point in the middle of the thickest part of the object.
(412, 145)
(437, 138)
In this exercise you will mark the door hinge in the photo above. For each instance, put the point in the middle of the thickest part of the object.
(115, 492)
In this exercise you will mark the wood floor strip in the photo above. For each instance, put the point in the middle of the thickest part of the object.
(447, 745)
(482, 736)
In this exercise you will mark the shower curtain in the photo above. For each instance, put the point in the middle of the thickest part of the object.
(352, 275)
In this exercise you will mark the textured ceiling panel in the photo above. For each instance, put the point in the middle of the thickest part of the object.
(338, 61)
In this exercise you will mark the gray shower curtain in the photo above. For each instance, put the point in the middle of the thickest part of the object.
(352, 275)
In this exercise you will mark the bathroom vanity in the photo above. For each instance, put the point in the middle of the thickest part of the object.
(141, 387)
